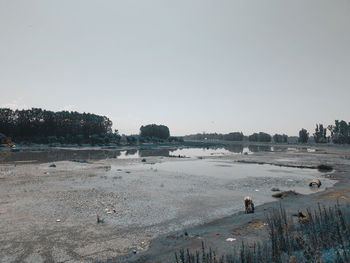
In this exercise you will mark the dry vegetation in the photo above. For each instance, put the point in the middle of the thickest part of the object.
(320, 236)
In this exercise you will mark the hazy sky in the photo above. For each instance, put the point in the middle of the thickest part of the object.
(195, 66)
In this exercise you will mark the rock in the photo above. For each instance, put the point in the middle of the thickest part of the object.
(316, 182)
(58, 220)
(275, 189)
(230, 239)
(285, 194)
(324, 168)
(143, 160)
(133, 251)
(53, 165)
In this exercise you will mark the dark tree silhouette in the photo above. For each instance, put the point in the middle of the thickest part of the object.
(260, 137)
(37, 125)
(340, 132)
(280, 138)
(303, 136)
(233, 136)
(320, 134)
(154, 130)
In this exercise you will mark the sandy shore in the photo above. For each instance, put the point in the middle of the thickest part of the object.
(253, 227)
(49, 214)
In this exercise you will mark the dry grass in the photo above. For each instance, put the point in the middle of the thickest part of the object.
(323, 237)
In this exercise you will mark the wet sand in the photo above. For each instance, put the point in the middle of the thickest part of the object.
(35, 196)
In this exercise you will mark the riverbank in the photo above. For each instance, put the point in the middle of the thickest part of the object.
(49, 213)
(251, 228)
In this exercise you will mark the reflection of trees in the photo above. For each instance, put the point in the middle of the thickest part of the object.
(259, 148)
(153, 152)
(235, 148)
(131, 152)
(279, 149)
(115, 154)
(59, 155)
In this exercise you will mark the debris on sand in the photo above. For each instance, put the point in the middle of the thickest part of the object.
(52, 165)
(230, 239)
(316, 182)
(302, 218)
(133, 251)
(58, 220)
(100, 220)
(324, 168)
(275, 189)
(285, 194)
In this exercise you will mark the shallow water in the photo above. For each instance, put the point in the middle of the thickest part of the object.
(251, 177)
(182, 192)
(206, 152)
(85, 153)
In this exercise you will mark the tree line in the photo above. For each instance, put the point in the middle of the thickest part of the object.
(233, 136)
(239, 137)
(43, 126)
(339, 133)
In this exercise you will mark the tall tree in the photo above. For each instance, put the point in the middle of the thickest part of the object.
(303, 136)
(154, 130)
(320, 134)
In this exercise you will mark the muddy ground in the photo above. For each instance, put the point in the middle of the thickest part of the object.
(48, 214)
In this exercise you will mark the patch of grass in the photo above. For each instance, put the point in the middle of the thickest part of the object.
(323, 235)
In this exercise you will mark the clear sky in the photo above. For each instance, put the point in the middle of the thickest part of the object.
(250, 65)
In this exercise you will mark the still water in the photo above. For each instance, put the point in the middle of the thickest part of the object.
(205, 152)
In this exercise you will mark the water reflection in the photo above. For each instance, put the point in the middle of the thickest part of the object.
(154, 152)
(236, 148)
(51, 155)
(131, 152)
(259, 148)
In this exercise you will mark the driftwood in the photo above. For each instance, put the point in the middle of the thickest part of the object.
(315, 182)
(249, 205)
